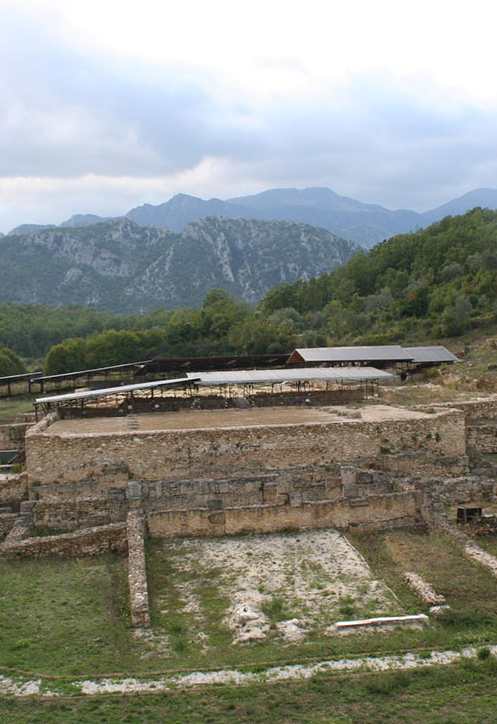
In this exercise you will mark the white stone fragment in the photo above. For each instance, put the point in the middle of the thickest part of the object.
(382, 621)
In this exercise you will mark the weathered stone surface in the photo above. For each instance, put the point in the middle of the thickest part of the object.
(214, 453)
(7, 521)
(394, 509)
(88, 542)
(137, 570)
(13, 488)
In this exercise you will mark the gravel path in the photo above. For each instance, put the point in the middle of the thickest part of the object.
(12, 687)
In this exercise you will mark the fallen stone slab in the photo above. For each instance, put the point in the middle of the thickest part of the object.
(423, 589)
(381, 621)
(481, 556)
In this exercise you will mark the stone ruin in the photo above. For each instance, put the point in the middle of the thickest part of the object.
(93, 486)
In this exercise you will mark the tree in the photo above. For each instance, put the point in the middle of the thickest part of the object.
(10, 363)
(68, 356)
(456, 319)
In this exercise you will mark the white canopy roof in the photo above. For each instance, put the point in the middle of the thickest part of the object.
(107, 391)
(282, 376)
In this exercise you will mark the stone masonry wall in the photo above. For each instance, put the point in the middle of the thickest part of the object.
(7, 521)
(13, 489)
(137, 572)
(481, 423)
(110, 460)
(79, 513)
(88, 542)
(395, 509)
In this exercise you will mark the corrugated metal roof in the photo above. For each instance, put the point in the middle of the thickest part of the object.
(437, 353)
(384, 353)
(108, 391)
(257, 377)
(225, 362)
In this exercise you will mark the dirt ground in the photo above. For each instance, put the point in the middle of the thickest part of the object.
(198, 419)
(284, 584)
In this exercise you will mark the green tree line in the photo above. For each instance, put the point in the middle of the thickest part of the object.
(437, 282)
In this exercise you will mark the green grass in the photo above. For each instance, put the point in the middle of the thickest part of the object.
(70, 617)
(457, 694)
(65, 617)
(488, 543)
(469, 589)
(13, 406)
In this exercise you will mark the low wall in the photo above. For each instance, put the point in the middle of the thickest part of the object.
(7, 521)
(13, 489)
(88, 542)
(111, 459)
(474, 410)
(394, 509)
(12, 435)
(438, 498)
(137, 571)
(79, 513)
(481, 423)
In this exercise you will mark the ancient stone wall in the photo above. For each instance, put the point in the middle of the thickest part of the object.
(137, 572)
(7, 521)
(481, 423)
(13, 489)
(12, 435)
(394, 509)
(88, 542)
(482, 436)
(437, 499)
(71, 514)
(110, 460)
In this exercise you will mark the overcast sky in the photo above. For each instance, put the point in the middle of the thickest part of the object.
(108, 104)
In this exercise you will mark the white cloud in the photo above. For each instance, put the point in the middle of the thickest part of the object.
(109, 104)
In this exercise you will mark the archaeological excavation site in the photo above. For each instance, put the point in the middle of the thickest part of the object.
(209, 514)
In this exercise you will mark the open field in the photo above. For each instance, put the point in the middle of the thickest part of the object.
(69, 618)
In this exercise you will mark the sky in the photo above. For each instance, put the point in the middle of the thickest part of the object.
(106, 105)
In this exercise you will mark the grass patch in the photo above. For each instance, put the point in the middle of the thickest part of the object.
(11, 407)
(470, 590)
(65, 616)
(276, 609)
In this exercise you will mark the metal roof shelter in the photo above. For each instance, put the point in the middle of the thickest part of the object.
(257, 377)
(88, 374)
(345, 355)
(431, 355)
(83, 396)
(11, 380)
(225, 362)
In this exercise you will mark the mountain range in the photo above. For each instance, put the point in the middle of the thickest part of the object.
(366, 224)
(122, 266)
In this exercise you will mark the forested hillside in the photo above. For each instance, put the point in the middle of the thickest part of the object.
(435, 282)
(438, 282)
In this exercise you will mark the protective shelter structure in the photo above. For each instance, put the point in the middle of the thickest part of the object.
(429, 356)
(380, 356)
(124, 396)
(384, 356)
(74, 379)
(278, 382)
(18, 384)
(161, 365)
